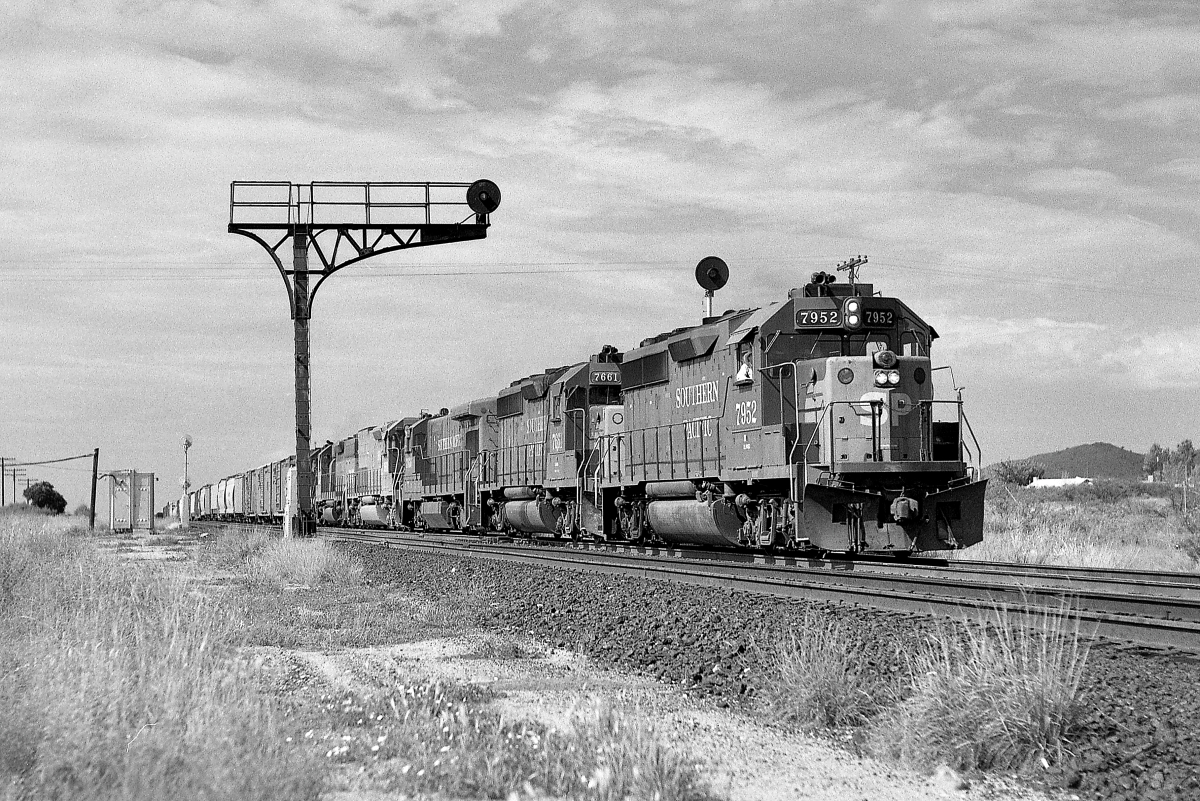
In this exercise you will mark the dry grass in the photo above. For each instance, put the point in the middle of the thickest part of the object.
(817, 677)
(1131, 532)
(124, 683)
(996, 696)
(303, 562)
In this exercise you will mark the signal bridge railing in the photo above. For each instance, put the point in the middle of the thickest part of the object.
(343, 204)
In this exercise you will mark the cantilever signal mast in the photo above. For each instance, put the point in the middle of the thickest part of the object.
(343, 223)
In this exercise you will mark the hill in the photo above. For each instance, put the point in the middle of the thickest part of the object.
(1097, 460)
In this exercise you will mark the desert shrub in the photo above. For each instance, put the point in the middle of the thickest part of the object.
(818, 675)
(996, 696)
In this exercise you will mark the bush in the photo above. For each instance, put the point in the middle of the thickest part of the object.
(997, 696)
(82, 510)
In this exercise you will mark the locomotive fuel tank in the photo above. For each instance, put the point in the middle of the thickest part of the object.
(692, 522)
(532, 517)
(372, 512)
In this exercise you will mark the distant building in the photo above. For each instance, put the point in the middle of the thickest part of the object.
(1048, 483)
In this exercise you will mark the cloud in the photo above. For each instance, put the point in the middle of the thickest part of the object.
(1042, 350)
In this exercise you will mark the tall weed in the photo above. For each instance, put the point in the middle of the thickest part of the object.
(995, 696)
(818, 676)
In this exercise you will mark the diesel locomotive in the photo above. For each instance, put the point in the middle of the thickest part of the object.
(809, 424)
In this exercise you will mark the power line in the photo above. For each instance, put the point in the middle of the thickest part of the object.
(51, 461)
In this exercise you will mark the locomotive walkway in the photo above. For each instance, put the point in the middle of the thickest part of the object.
(1147, 609)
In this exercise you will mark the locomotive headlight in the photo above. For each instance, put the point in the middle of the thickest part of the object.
(845, 375)
(852, 313)
(885, 359)
(893, 377)
(881, 378)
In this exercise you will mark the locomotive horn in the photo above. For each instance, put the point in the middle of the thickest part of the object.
(712, 273)
(483, 196)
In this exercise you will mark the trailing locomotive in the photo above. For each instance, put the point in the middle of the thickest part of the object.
(808, 424)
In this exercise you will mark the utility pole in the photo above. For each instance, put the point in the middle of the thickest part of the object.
(343, 223)
(95, 475)
(15, 472)
(3, 459)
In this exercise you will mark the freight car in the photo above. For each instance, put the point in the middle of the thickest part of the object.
(809, 424)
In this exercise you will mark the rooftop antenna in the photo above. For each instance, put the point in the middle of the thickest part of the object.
(712, 273)
(851, 266)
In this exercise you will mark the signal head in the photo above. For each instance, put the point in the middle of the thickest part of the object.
(712, 273)
(483, 196)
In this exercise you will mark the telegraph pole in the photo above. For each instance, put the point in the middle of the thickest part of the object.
(95, 475)
(343, 223)
(3, 459)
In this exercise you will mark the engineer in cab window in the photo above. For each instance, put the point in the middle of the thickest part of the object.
(745, 373)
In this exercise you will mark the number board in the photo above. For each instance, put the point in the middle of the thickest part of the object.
(819, 318)
(878, 317)
(606, 376)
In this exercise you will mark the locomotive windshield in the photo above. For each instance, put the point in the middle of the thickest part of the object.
(804, 346)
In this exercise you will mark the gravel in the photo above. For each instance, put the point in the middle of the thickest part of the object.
(1139, 739)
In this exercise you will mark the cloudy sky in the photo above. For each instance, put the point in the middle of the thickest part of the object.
(1023, 174)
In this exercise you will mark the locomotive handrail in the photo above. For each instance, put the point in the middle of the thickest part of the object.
(703, 459)
(876, 422)
(516, 462)
(927, 431)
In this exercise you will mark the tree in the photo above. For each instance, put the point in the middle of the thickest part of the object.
(44, 496)
(1018, 471)
(1155, 461)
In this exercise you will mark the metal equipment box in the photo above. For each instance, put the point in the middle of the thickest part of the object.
(131, 500)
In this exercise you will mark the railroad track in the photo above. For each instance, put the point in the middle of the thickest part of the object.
(1145, 609)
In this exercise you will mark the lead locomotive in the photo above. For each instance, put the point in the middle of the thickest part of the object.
(808, 424)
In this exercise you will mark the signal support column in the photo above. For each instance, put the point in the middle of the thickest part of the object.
(306, 523)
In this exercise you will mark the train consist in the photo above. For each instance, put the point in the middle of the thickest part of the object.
(807, 424)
